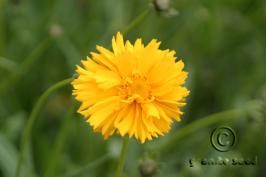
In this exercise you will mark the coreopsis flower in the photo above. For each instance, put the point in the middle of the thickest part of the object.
(133, 90)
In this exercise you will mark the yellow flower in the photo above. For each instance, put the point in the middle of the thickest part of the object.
(135, 89)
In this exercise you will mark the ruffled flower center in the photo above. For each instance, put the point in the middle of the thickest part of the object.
(135, 88)
(139, 88)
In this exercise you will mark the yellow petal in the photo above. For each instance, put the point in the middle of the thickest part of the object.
(126, 122)
(106, 79)
(150, 110)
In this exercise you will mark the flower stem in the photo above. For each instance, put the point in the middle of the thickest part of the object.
(122, 157)
(32, 119)
(136, 21)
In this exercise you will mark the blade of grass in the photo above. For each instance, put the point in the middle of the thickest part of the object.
(69, 50)
(2, 27)
(7, 64)
(25, 66)
(90, 165)
(206, 121)
(59, 143)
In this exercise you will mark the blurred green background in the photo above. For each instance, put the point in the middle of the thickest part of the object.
(222, 42)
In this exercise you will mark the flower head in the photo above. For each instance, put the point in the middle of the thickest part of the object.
(135, 89)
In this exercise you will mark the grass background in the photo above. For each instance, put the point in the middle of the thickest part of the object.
(222, 42)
